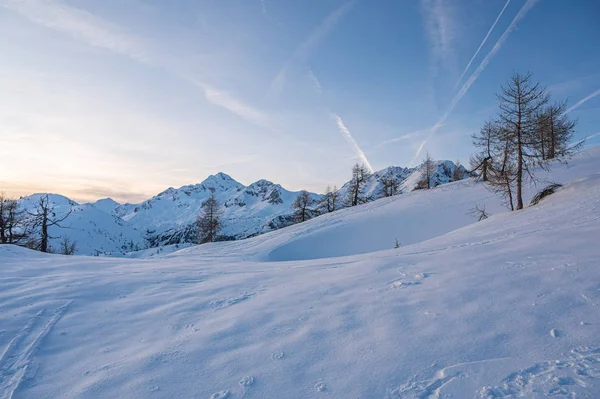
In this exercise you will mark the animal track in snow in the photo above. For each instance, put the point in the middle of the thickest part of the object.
(247, 381)
(220, 395)
(409, 281)
(564, 378)
(320, 387)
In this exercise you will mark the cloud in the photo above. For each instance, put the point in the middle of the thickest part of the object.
(440, 28)
(99, 33)
(582, 101)
(346, 134)
(303, 51)
(465, 88)
(81, 25)
(263, 7)
(404, 137)
(482, 43)
(224, 100)
(315, 82)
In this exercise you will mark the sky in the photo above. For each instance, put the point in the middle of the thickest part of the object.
(124, 98)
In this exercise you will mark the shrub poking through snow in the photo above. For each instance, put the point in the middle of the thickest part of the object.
(549, 190)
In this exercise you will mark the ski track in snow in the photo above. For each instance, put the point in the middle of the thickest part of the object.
(16, 360)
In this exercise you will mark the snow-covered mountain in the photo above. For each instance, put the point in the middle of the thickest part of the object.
(93, 230)
(106, 226)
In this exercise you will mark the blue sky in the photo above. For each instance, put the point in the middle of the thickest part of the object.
(126, 98)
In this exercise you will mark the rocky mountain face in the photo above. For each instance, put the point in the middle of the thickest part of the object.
(169, 217)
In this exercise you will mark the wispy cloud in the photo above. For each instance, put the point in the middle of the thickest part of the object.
(303, 51)
(348, 136)
(315, 82)
(465, 88)
(81, 25)
(404, 137)
(482, 43)
(440, 27)
(263, 7)
(582, 101)
(99, 33)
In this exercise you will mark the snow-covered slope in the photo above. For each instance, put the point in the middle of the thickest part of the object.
(92, 229)
(410, 218)
(503, 308)
(261, 207)
(168, 218)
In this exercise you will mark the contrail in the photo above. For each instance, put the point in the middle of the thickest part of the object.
(303, 51)
(263, 6)
(482, 43)
(580, 103)
(346, 133)
(522, 12)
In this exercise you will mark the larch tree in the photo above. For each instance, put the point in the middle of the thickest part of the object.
(302, 207)
(390, 186)
(330, 199)
(67, 246)
(520, 103)
(12, 221)
(457, 173)
(428, 169)
(483, 142)
(209, 221)
(555, 132)
(41, 220)
(360, 174)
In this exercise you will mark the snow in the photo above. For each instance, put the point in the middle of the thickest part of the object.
(109, 228)
(92, 229)
(503, 308)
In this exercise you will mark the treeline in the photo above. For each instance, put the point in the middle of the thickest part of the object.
(528, 132)
(31, 228)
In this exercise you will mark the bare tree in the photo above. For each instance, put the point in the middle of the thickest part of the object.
(555, 132)
(67, 246)
(521, 102)
(330, 200)
(302, 206)
(40, 220)
(479, 212)
(360, 174)
(209, 221)
(389, 186)
(427, 168)
(457, 174)
(484, 142)
(12, 221)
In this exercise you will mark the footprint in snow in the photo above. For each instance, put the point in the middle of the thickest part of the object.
(320, 387)
(220, 395)
(247, 381)
(277, 355)
(555, 333)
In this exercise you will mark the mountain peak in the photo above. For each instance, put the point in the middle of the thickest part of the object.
(220, 179)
